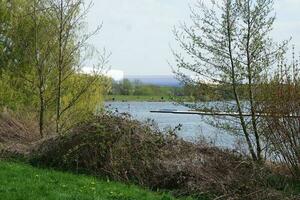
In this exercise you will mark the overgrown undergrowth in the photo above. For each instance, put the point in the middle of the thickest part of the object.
(115, 147)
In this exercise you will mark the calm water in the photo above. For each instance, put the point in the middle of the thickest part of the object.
(193, 126)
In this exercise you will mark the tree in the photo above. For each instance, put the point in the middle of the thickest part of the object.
(126, 87)
(28, 64)
(72, 50)
(44, 53)
(42, 61)
(4, 24)
(282, 104)
(229, 44)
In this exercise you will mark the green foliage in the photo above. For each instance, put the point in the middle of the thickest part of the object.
(15, 94)
(20, 77)
(89, 99)
(31, 63)
(20, 181)
(135, 90)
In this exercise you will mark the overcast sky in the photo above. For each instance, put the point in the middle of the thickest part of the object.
(138, 33)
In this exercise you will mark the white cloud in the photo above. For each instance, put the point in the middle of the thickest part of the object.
(116, 75)
(139, 32)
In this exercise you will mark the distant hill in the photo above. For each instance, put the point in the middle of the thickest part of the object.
(162, 80)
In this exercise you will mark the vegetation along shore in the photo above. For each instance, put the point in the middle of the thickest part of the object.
(59, 141)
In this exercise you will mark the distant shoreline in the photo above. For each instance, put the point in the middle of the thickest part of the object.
(130, 98)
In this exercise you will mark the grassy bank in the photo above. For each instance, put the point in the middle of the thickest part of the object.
(131, 152)
(20, 181)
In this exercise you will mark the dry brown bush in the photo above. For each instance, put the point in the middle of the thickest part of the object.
(282, 125)
(122, 149)
(17, 133)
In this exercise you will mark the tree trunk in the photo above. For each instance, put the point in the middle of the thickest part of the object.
(60, 68)
(234, 87)
(250, 90)
(39, 69)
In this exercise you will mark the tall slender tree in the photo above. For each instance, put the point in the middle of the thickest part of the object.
(229, 43)
(42, 62)
(71, 54)
(28, 42)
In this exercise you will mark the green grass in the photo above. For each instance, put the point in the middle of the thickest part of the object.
(21, 182)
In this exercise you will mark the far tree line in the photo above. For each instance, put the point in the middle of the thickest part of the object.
(197, 91)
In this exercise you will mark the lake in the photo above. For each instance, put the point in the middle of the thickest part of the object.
(193, 126)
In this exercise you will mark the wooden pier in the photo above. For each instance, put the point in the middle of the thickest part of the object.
(230, 114)
(190, 112)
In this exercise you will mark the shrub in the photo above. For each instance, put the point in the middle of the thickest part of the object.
(281, 126)
(126, 150)
(282, 132)
(16, 134)
(116, 147)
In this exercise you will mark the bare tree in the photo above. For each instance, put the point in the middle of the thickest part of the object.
(282, 104)
(229, 44)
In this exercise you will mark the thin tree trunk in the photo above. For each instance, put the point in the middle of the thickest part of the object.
(40, 74)
(41, 115)
(250, 90)
(234, 86)
(60, 63)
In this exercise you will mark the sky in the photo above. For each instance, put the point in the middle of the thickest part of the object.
(139, 35)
